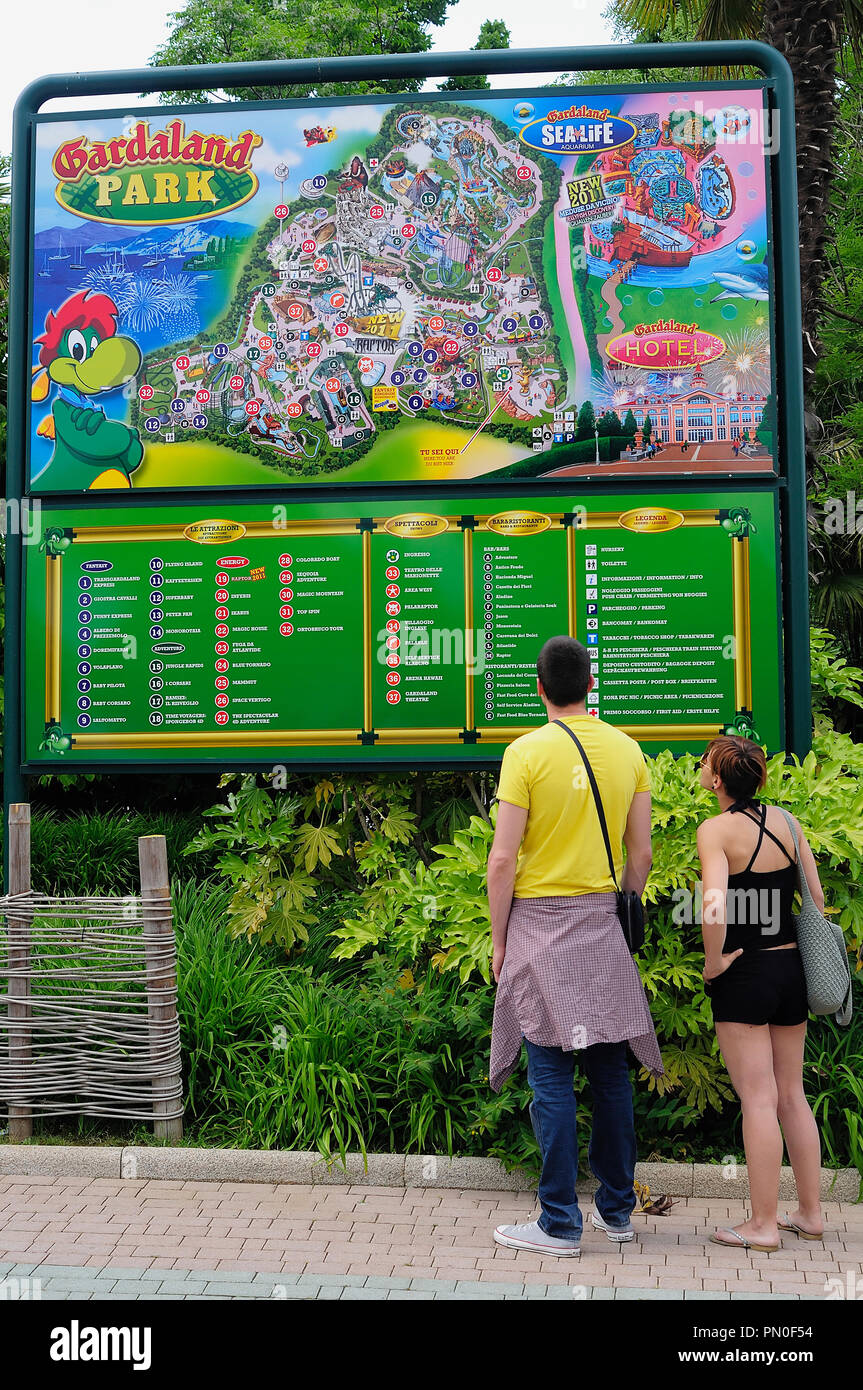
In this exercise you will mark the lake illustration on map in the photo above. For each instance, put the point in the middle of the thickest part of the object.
(566, 284)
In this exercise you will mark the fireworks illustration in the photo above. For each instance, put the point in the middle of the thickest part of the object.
(143, 303)
(621, 385)
(108, 278)
(183, 319)
(745, 366)
(181, 291)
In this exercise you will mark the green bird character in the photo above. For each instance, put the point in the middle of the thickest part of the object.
(83, 355)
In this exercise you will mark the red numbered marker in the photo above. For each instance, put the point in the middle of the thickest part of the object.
(236, 383)
(286, 611)
(524, 172)
(145, 393)
(393, 697)
(494, 272)
(221, 701)
(409, 230)
(393, 572)
(295, 311)
(265, 342)
(222, 649)
(222, 664)
(286, 559)
(295, 409)
(221, 578)
(393, 677)
(393, 659)
(222, 682)
(222, 613)
(394, 608)
(341, 330)
(181, 363)
(436, 323)
(286, 629)
(376, 212)
(286, 595)
(202, 397)
(309, 245)
(393, 591)
(286, 577)
(393, 625)
(280, 211)
(314, 350)
(332, 384)
(450, 347)
(253, 407)
(222, 629)
(221, 596)
(222, 717)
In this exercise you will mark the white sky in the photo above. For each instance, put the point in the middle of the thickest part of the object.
(54, 36)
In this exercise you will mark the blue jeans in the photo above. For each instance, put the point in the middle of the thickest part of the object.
(612, 1141)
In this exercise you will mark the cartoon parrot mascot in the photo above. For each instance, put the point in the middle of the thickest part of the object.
(83, 355)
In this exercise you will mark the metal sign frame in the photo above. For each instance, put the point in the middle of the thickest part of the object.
(789, 486)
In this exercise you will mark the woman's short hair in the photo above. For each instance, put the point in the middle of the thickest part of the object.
(739, 764)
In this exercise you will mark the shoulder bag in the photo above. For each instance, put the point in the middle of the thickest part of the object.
(823, 953)
(630, 908)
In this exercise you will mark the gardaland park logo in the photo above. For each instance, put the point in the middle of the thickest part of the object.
(164, 177)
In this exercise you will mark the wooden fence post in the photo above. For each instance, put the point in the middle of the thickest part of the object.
(20, 1036)
(161, 972)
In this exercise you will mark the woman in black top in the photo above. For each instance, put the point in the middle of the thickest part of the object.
(755, 981)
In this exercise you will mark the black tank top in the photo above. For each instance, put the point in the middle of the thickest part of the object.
(759, 906)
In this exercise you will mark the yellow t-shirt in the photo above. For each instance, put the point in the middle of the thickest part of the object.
(563, 853)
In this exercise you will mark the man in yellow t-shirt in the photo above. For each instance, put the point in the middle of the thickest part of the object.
(566, 980)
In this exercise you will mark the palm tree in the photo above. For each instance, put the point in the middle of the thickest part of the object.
(811, 35)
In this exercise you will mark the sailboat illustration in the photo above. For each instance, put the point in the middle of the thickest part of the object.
(76, 262)
(61, 254)
(45, 273)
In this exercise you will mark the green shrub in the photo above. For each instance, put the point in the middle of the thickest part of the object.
(436, 918)
(97, 851)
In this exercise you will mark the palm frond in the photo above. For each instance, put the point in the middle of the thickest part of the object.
(731, 19)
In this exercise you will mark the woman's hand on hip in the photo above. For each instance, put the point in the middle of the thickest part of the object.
(714, 968)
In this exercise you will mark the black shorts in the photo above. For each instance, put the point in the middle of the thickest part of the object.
(761, 987)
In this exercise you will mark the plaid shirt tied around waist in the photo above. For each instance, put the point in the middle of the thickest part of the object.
(568, 981)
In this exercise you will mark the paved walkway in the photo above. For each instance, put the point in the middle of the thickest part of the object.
(100, 1238)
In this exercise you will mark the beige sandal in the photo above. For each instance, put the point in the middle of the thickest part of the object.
(739, 1240)
(789, 1225)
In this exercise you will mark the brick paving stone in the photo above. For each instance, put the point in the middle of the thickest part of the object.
(238, 1230)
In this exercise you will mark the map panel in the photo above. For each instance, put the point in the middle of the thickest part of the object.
(563, 284)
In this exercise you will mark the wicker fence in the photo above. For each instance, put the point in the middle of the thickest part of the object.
(88, 998)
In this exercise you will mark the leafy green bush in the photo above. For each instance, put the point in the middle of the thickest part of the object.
(437, 917)
(349, 1003)
(278, 1056)
(278, 847)
(97, 851)
(377, 1057)
(833, 680)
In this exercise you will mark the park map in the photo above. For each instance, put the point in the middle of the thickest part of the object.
(430, 291)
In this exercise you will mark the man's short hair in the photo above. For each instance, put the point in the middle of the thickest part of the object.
(563, 667)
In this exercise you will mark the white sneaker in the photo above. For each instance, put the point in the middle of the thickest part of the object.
(616, 1233)
(531, 1236)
